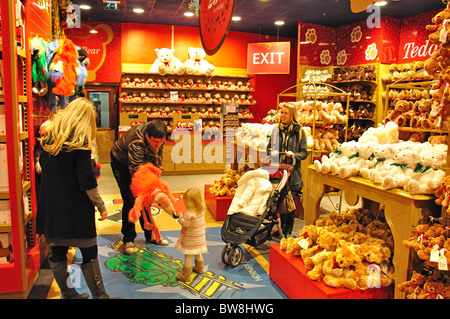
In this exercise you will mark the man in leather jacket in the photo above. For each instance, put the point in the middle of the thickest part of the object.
(140, 145)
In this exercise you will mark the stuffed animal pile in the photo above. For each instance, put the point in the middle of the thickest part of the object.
(432, 245)
(329, 113)
(380, 157)
(411, 71)
(313, 75)
(413, 114)
(438, 67)
(255, 136)
(343, 250)
(227, 184)
(351, 73)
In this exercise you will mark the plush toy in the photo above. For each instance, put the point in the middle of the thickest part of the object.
(167, 63)
(39, 66)
(196, 63)
(64, 68)
(403, 167)
(437, 20)
(409, 287)
(443, 192)
(147, 188)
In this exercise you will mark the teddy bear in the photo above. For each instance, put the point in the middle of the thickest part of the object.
(431, 290)
(196, 63)
(442, 192)
(437, 26)
(384, 155)
(167, 63)
(428, 178)
(403, 167)
(409, 287)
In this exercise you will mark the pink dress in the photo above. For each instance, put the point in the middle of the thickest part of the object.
(192, 239)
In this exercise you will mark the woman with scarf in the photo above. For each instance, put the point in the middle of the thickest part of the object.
(290, 138)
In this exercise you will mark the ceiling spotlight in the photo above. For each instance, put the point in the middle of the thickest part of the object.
(93, 31)
(138, 10)
(189, 14)
(85, 7)
(236, 18)
(381, 3)
(279, 22)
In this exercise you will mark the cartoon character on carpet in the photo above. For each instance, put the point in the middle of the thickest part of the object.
(148, 188)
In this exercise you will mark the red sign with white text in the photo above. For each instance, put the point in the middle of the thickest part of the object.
(268, 58)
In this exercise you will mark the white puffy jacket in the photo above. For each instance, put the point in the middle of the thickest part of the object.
(254, 189)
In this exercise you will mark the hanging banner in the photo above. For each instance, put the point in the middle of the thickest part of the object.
(268, 58)
(215, 21)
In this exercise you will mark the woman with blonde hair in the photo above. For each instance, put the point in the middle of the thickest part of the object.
(192, 239)
(68, 196)
(289, 137)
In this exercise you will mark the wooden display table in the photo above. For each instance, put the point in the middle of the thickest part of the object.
(402, 210)
(290, 274)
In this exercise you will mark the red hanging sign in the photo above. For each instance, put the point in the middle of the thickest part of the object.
(215, 21)
(268, 58)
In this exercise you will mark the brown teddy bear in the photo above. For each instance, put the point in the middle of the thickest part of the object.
(409, 287)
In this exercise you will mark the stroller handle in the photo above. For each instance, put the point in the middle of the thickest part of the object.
(289, 167)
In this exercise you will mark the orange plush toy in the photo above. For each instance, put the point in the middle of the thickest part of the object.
(63, 69)
(147, 188)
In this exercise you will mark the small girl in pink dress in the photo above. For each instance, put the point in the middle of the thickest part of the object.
(192, 239)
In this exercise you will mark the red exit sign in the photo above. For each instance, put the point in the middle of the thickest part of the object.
(268, 58)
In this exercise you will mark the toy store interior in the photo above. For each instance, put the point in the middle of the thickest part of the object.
(304, 153)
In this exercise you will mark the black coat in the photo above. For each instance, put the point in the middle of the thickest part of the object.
(133, 150)
(64, 210)
(298, 146)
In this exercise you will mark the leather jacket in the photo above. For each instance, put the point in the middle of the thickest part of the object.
(133, 150)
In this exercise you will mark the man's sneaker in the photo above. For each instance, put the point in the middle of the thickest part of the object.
(128, 248)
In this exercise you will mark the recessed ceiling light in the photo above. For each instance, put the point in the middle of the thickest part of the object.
(381, 3)
(85, 7)
(93, 31)
(189, 14)
(279, 22)
(236, 18)
(138, 10)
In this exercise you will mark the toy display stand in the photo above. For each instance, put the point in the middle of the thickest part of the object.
(402, 210)
(290, 274)
(217, 205)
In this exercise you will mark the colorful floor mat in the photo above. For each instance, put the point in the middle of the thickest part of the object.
(150, 272)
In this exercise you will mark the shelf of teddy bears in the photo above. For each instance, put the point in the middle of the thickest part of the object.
(163, 96)
(415, 108)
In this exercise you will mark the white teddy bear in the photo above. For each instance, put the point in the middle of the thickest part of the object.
(167, 63)
(196, 64)
(402, 169)
(364, 160)
(384, 155)
(387, 134)
(428, 179)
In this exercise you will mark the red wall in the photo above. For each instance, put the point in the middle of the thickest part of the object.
(136, 43)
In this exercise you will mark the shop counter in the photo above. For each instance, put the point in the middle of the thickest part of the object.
(402, 210)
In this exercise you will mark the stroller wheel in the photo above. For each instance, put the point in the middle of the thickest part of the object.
(235, 256)
(225, 255)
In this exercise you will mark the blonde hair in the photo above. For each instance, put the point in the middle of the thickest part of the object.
(73, 128)
(193, 199)
(293, 113)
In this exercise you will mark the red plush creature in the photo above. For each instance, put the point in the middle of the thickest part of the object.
(63, 69)
(148, 188)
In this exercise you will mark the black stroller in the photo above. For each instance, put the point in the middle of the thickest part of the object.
(239, 228)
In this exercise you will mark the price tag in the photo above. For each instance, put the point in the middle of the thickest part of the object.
(58, 66)
(434, 254)
(443, 34)
(303, 243)
(442, 263)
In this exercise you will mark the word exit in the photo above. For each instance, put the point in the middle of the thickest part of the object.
(268, 58)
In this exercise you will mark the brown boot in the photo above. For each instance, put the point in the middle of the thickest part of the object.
(198, 268)
(185, 274)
